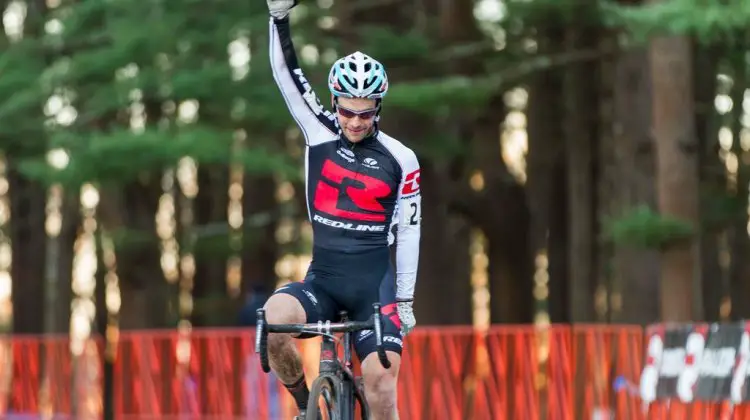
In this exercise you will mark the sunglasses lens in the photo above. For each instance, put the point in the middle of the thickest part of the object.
(365, 115)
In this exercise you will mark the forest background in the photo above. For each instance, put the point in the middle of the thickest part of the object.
(582, 161)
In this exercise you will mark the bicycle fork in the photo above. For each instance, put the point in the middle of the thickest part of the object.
(340, 375)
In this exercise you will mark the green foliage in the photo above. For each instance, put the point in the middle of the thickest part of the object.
(127, 70)
(390, 46)
(527, 14)
(112, 56)
(720, 209)
(642, 227)
(127, 66)
(121, 156)
(442, 95)
(707, 20)
(129, 238)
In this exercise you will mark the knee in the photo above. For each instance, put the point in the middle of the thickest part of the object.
(282, 309)
(380, 383)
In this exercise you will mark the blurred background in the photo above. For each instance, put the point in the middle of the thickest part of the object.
(583, 162)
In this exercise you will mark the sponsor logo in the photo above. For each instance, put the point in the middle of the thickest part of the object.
(672, 363)
(370, 163)
(327, 356)
(394, 340)
(349, 226)
(312, 100)
(411, 183)
(363, 191)
(364, 334)
(346, 154)
(312, 297)
(717, 363)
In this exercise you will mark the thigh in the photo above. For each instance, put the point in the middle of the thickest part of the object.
(364, 342)
(318, 306)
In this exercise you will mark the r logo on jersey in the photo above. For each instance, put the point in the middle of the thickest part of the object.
(411, 183)
(364, 192)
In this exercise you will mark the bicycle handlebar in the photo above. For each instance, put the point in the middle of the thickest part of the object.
(321, 328)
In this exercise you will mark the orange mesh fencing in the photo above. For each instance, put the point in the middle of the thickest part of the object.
(504, 373)
(43, 376)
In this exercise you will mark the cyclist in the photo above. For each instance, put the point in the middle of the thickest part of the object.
(360, 184)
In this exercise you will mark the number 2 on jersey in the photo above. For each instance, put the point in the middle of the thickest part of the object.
(414, 220)
(363, 193)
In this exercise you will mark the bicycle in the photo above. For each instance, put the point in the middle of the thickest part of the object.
(336, 383)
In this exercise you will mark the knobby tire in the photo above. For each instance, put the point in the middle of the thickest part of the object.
(322, 387)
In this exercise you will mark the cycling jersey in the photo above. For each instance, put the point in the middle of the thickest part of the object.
(356, 192)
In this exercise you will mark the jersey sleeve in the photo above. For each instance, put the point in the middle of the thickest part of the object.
(317, 124)
(408, 228)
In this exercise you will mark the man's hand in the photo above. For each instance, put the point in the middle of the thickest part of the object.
(406, 314)
(279, 9)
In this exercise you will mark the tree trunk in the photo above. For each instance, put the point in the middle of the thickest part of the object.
(28, 245)
(511, 266)
(71, 222)
(714, 280)
(28, 200)
(211, 251)
(261, 249)
(501, 212)
(739, 267)
(144, 290)
(443, 293)
(581, 133)
(445, 261)
(101, 322)
(608, 299)
(545, 163)
(677, 170)
(558, 243)
(147, 299)
(637, 270)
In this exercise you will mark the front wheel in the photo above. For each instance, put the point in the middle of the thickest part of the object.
(323, 400)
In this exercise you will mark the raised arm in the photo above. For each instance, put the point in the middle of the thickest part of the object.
(316, 123)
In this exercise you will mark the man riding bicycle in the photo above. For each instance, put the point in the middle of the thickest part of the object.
(360, 183)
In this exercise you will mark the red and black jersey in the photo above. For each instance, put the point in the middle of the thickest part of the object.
(356, 192)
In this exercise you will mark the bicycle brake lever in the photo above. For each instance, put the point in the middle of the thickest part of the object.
(259, 324)
(261, 339)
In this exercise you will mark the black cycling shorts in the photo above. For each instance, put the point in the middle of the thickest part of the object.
(323, 296)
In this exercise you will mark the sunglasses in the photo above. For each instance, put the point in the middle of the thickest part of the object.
(365, 114)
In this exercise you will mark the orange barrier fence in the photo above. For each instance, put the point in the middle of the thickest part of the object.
(508, 372)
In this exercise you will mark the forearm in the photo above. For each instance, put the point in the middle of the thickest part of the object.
(407, 261)
(312, 118)
(284, 59)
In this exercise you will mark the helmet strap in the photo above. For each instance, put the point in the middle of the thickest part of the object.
(378, 103)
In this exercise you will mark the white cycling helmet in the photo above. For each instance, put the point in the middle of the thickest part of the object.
(358, 76)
